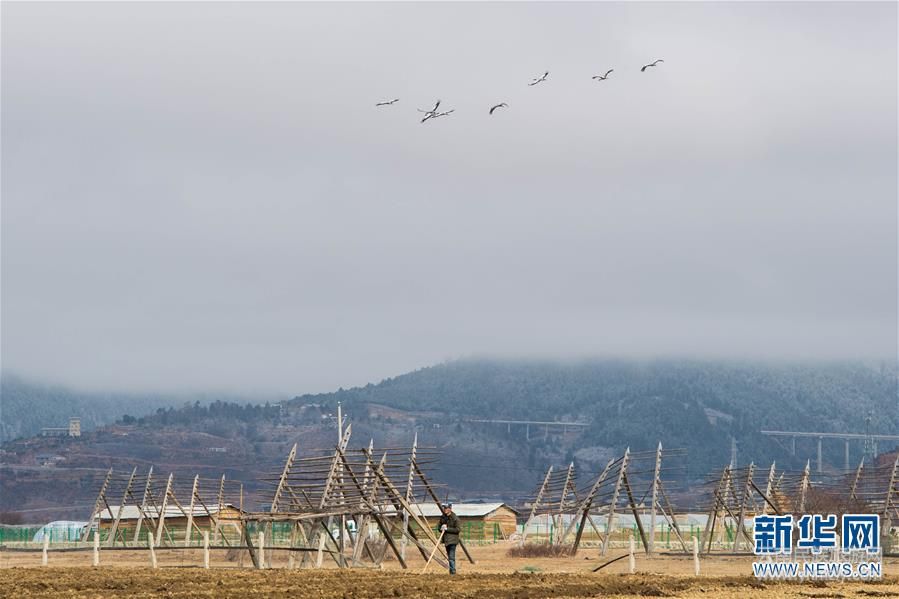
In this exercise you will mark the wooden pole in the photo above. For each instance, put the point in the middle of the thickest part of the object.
(622, 469)
(586, 506)
(143, 506)
(742, 513)
(115, 525)
(190, 513)
(524, 532)
(150, 544)
(651, 545)
(430, 557)
(206, 549)
(637, 519)
(769, 488)
(160, 525)
(569, 482)
(803, 487)
(409, 492)
(101, 497)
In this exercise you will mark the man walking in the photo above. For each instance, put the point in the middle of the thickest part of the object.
(450, 527)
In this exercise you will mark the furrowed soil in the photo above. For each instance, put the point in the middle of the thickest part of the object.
(126, 574)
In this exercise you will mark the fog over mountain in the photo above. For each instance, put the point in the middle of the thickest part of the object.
(203, 196)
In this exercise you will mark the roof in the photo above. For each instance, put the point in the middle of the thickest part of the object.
(463, 510)
(131, 512)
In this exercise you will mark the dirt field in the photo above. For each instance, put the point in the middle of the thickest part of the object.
(126, 574)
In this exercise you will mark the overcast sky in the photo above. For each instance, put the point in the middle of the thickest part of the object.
(203, 196)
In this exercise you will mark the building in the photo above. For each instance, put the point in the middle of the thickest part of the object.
(73, 430)
(480, 521)
(175, 519)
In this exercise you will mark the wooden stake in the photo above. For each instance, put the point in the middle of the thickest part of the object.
(46, 547)
(206, 549)
(97, 547)
(150, 544)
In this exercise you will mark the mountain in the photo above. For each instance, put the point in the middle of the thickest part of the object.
(27, 406)
(699, 406)
(696, 405)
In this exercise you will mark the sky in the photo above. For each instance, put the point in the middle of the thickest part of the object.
(203, 196)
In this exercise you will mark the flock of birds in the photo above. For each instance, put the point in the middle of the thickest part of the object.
(435, 112)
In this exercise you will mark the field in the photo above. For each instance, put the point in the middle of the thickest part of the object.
(126, 574)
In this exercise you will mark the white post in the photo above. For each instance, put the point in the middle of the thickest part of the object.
(321, 549)
(46, 547)
(632, 564)
(261, 550)
(695, 557)
(206, 549)
(150, 544)
(97, 547)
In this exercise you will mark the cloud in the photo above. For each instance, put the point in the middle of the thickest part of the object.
(203, 195)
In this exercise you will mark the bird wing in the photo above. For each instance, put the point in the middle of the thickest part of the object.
(607, 72)
(546, 74)
(494, 108)
(435, 106)
(427, 116)
(658, 61)
(644, 67)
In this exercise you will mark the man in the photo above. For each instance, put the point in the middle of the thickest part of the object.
(450, 528)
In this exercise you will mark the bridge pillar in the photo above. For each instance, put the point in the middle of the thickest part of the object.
(846, 456)
(820, 468)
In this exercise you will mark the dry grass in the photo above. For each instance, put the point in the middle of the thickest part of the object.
(539, 550)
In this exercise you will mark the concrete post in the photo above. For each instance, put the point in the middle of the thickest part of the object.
(695, 557)
(46, 547)
(261, 550)
(206, 549)
(97, 547)
(151, 545)
(631, 562)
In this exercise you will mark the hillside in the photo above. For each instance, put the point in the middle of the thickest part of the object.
(27, 406)
(691, 404)
(698, 406)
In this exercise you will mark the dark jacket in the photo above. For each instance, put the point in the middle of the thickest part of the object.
(453, 528)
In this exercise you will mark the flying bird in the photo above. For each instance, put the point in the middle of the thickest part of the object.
(430, 114)
(652, 64)
(603, 77)
(433, 114)
(503, 105)
(539, 79)
(388, 103)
